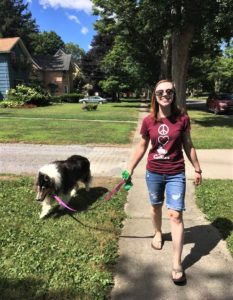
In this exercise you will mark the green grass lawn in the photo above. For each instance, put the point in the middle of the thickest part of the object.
(214, 197)
(211, 131)
(122, 111)
(66, 256)
(69, 124)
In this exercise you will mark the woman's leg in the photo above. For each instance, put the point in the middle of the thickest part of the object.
(155, 184)
(156, 215)
(177, 232)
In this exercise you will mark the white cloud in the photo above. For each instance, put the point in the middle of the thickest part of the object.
(84, 30)
(85, 5)
(73, 18)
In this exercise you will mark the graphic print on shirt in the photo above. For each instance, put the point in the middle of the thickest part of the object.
(163, 139)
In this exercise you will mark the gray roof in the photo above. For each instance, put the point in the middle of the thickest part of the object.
(60, 61)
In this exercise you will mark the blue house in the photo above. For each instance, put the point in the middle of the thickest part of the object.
(15, 64)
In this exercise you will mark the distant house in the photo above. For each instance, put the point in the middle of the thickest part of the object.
(15, 64)
(55, 72)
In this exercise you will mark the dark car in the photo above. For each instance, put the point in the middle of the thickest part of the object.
(220, 103)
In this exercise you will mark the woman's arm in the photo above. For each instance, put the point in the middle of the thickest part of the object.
(192, 156)
(138, 154)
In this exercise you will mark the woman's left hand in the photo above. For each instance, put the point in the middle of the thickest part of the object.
(197, 179)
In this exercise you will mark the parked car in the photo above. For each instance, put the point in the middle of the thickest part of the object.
(93, 99)
(220, 103)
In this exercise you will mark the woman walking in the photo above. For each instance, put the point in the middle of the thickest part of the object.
(167, 128)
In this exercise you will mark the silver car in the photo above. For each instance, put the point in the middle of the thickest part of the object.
(93, 99)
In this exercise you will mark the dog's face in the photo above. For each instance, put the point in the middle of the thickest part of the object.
(45, 186)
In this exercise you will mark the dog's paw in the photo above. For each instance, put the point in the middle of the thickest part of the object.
(42, 215)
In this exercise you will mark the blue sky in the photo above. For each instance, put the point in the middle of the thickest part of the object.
(72, 20)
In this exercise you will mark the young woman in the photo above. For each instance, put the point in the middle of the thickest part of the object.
(168, 130)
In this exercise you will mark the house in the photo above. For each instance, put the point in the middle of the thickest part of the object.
(55, 72)
(15, 64)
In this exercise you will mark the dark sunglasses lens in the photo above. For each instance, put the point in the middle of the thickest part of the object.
(161, 92)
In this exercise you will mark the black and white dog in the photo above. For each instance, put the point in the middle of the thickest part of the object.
(61, 178)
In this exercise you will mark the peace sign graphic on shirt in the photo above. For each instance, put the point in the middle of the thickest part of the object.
(163, 129)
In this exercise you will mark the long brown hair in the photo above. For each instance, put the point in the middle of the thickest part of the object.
(175, 111)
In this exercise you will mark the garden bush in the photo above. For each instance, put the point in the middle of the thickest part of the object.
(90, 106)
(71, 98)
(23, 95)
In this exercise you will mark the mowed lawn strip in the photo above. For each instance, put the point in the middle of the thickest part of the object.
(66, 256)
(64, 132)
(122, 111)
(211, 131)
(214, 197)
(70, 124)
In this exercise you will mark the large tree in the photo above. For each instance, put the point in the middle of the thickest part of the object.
(91, 61)
(166, 29)
(122, 72)
(47, 42)
(16, 20)
(75, 50)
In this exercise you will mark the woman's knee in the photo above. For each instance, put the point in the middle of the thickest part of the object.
(175, 216)
(155, 209)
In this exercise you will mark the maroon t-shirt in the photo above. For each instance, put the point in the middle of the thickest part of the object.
(165, 155)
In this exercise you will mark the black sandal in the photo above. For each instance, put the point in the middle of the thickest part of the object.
(182, 279)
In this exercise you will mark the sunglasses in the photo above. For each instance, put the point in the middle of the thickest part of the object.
(160, 93)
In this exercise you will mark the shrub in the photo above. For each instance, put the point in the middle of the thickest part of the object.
(71, 98)
(23, 95)
(90, 106)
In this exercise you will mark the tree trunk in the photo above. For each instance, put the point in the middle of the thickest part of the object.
(180, 48)
(166, 59)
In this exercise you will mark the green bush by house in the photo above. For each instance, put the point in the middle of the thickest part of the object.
(23, 95)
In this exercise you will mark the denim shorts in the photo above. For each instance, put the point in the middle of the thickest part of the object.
(170, 186)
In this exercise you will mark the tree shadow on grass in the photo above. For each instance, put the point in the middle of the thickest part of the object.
(139, 106)
(196, 105)
(27, 289)
(220, 121)
(205, 239)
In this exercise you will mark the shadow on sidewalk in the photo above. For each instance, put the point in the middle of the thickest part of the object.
(205, 238)
(138, 282)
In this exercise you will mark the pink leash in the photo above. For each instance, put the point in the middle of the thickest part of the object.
(63, 203)
(114, 190)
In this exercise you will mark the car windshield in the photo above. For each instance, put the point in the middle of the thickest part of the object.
(225, 96)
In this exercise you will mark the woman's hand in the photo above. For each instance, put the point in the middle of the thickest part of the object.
(197, 179)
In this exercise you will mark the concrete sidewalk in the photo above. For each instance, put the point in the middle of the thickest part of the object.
(144, 273)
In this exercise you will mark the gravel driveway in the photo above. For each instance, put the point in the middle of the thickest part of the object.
(27, 158)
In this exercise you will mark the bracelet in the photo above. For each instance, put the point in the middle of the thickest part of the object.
(199, 172)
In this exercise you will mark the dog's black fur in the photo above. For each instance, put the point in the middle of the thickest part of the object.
(61, 178)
